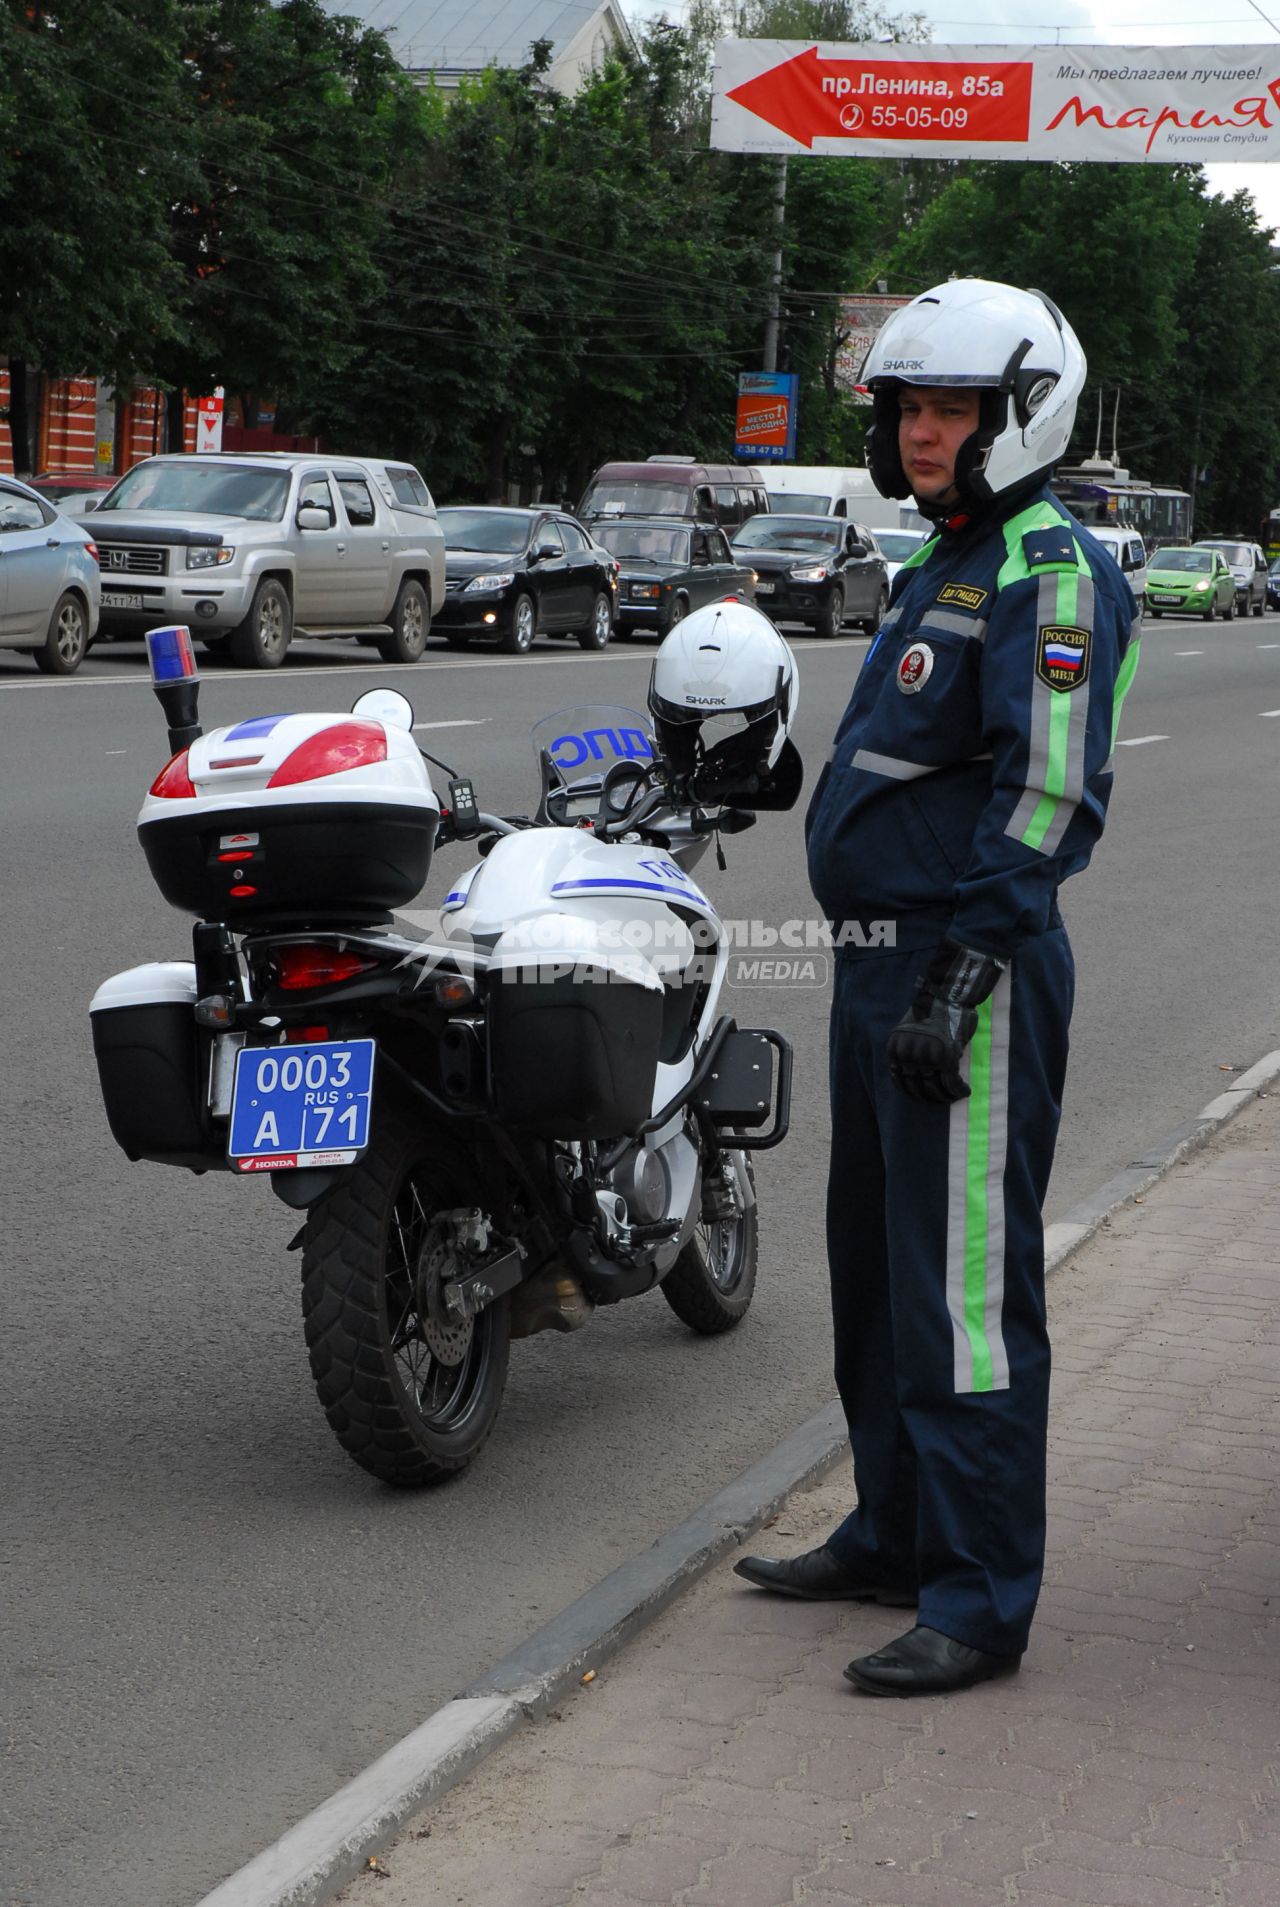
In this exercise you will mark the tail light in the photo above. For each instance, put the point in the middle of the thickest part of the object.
(301, 967)
(345, 745)
(173, 782)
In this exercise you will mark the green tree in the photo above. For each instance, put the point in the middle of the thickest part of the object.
(87, 280)
(296, 115)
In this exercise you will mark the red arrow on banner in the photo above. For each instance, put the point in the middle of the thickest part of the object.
(808, 97)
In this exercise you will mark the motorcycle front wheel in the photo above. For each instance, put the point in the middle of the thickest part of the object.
(409, 1393)
(712, 1283)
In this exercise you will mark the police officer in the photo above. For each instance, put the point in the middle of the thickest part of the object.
(970, 776)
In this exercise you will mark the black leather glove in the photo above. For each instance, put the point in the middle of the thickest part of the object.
(926, 1046)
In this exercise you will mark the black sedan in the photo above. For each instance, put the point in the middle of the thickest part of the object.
(510, 573)
(817, 570)
(666, 569)
(1273, 585)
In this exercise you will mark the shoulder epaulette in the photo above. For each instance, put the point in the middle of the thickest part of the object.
(1053, 547)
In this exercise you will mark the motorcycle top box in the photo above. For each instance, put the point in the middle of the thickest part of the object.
(300, 817)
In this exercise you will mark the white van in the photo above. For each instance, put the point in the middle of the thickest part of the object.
(843, 490)
(1127, 547)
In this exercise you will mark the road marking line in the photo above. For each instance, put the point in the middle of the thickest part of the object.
(117, 751)
(339, 671)
(1140, 741)
(1269, 715)
(1188, 652)
(1269, 645)
(464, 721)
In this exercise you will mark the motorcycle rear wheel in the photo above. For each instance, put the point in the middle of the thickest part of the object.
(712, 1283)
(412, 1400)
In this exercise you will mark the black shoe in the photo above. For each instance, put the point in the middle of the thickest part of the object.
(819, 1576)
(923, 1662)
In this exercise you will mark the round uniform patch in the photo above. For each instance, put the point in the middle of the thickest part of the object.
(915, 668)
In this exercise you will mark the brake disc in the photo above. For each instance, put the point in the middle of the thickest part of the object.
(447, 1338)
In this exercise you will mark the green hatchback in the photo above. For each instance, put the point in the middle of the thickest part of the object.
(1195, 582)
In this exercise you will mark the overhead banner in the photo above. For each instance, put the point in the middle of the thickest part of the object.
(765, 431)
(1176, 105)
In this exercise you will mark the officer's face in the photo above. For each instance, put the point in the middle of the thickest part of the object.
(933, 422)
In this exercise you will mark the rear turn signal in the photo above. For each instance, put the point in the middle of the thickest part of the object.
(345, 745)
(299, 967)
(173, 782)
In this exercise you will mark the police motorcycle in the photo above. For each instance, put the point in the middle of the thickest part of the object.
(532, 1110)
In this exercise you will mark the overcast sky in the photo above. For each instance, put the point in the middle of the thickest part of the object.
(1074, 23)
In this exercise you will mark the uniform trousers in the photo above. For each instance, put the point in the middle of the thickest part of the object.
(936, 1249)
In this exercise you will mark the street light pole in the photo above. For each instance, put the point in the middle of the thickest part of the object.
(775, 275)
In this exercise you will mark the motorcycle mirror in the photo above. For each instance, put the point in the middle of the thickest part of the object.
(176, 681)
(387, 706)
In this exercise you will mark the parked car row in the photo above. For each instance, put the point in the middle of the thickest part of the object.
(250, 548)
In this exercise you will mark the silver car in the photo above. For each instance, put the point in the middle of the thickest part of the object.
(1249, 568)
(50, 585)
(244, 547)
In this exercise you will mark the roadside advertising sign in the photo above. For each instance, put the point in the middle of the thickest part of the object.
(862, 315)
(766, 424)
(1168, 104)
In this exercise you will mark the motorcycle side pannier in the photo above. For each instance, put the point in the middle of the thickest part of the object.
(572, 1057)
(152, 1068)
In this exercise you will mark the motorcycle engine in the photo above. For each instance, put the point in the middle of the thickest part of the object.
(657, 1182)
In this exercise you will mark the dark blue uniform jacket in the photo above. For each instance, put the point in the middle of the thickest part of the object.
(972, 768)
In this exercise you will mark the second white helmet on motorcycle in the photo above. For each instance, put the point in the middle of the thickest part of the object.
(723, 696)
(1014, 347)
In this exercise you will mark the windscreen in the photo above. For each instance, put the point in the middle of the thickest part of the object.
(898, 545)
(1235, 552)
(644, 543)
(637, 496)
(498, 532)
(1195, 560)
(804, 503)
(201, 487)
(586, 742)
(787, 533)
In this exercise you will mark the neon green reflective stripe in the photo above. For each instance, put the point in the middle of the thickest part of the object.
(921, 555)
(1041, 516)
(976, 1215)
(1055, 780)
(1124, 681)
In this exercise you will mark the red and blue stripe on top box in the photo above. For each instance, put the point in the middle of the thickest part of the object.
(170, 654)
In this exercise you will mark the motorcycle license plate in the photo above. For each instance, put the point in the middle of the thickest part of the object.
(301, 1105)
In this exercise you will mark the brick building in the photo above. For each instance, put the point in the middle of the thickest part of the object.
(80, 426)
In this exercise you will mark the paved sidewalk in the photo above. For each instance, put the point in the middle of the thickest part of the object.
(722, 1761)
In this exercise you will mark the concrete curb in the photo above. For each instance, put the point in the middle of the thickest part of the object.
(330, 1846)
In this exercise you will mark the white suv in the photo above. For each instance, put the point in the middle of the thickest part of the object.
(246, 547)
(1249, 568)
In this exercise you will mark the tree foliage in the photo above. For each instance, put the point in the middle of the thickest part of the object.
(510, 286)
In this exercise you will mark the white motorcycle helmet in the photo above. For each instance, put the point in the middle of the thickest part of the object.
(723, 695)
(1015, 348)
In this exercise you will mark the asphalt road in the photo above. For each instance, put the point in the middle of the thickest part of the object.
(211, 1617)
